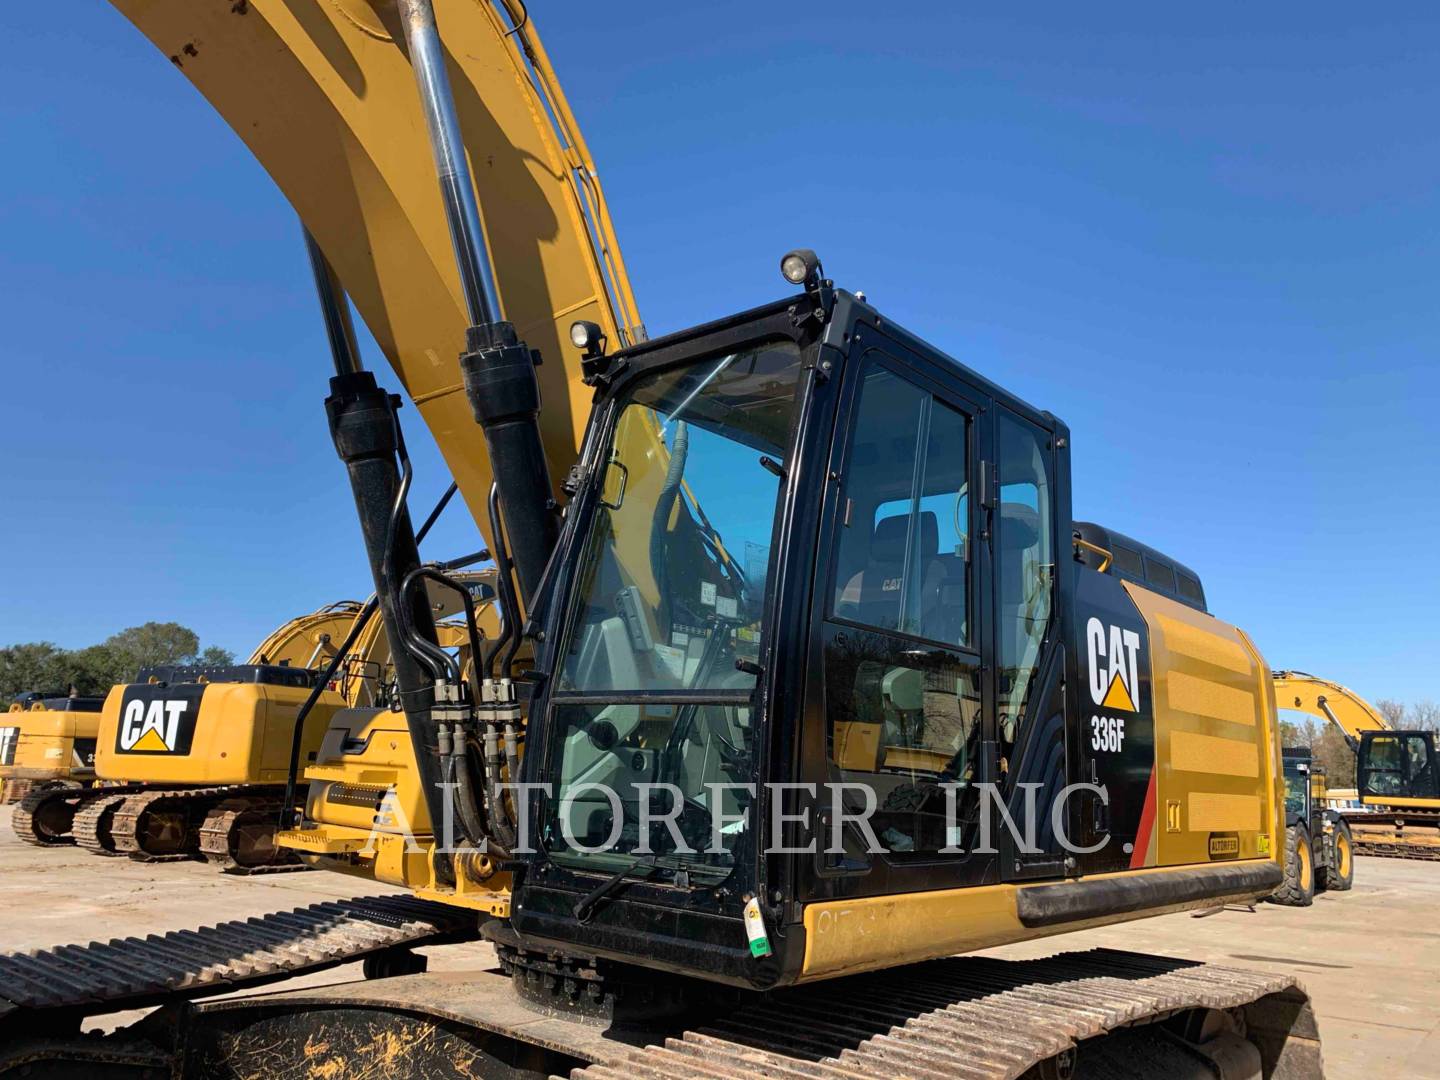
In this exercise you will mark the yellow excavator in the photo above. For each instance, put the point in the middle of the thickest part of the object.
(1397, 778)
(192, 761)
(141, 754)
(801, 611)
(47, 741)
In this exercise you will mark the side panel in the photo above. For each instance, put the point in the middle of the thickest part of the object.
(215, 733)
(1115, 725)
(46, 742)
(1219, 792)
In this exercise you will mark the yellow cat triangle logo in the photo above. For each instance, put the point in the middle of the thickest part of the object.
(151, 740)
(1117, 697)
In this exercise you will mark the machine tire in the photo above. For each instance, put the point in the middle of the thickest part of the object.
(1298, 888)
(1340, 867)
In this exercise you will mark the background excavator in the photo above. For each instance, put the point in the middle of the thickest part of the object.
(47, 741)
(144, 761)
(799, 546)
(1397, 777)
(192, 761)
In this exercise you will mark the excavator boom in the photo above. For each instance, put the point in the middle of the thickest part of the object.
(1327, 700)
(333, 116)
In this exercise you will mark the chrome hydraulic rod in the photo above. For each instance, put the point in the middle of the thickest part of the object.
(498, 368)
(457, 186)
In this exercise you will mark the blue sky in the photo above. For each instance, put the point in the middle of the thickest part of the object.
(1204, 236)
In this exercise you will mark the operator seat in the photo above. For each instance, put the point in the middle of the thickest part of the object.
(873, 595)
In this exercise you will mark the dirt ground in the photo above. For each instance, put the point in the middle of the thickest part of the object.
(1368, 957)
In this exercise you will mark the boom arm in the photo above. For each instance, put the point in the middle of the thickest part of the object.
(308, 640)
(1327, 700)
(324, 96)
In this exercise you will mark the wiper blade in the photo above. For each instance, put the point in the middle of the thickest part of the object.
(584, 909)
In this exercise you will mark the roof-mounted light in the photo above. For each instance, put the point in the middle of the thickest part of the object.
(801, 267)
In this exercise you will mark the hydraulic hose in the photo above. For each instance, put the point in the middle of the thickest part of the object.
(509, 638)
(424, 529)
(289, 815)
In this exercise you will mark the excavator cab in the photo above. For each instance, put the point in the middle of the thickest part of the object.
(813, 591)
(1394, 765)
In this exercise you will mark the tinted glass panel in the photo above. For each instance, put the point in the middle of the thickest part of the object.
(1026, 571)
(629, 768)
(903, 558)
(1190, 588)
(1384, 773)
(1420, 769)
(903, 723)
(1161, 575)
(674, 572)
(1128, 561)
(1295, 786)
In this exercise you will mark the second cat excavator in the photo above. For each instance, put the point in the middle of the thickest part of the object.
(192, 761)
(1397, 775)
(807, 608)
(180, 751)
(47, 743)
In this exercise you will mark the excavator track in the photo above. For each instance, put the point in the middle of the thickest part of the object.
(45, 815)
(164, 825)
(238, 836)
(1413, 835)
(95, 818)
(978, 1017)
(130, 973)
(1375, 834)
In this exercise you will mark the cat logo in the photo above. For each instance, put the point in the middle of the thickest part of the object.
(151, 728)
(1114, 666)
(890, 584)
(157, 719)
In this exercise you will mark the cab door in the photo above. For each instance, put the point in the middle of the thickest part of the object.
(898, 695)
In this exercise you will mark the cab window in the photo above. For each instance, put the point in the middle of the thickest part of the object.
(904, 552)
(1026, 564)
(901, 679)
(1384, 772)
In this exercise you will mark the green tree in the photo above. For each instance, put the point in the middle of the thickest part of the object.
(154, 643)
(1332, 754)
(36, 665)
(45, 667)
(215, 656)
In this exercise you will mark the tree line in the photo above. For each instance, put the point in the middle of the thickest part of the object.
(44, 667)
(1327, 744)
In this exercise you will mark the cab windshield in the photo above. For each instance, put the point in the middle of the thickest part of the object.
(670, 593)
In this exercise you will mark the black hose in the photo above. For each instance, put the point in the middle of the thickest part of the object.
(467, 602)
(457, 768)
(471, 819)
(435, 514)
(288, 814)
(402, 493)
(509, 638)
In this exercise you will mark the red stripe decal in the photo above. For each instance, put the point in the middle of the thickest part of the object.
(1147, 825)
